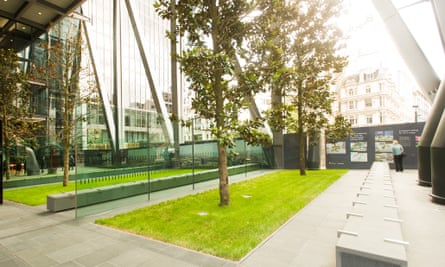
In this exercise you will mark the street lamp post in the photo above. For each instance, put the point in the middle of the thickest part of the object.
(415, 112)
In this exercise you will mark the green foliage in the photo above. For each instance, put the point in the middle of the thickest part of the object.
(15, 96)
(290, 49)
(340, 129)
(294, 49)
(259, 207)
(214, 32)
(294, 46)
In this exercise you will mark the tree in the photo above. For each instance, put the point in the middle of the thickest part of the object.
(266, 52)
(62, 72)
(15, 112)
(339, 129)
(294, 47)
(214, 31)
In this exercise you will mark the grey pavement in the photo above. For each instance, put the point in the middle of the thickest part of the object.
(31, 236)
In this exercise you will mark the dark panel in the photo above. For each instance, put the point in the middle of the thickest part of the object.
(371, 144)
(290, 150)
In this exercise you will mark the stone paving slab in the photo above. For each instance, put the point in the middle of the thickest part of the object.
(423, 221)
(31, 236)
(309, 238)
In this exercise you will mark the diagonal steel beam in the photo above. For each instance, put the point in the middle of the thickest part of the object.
(439, 14)
(157, 96)
(253, 108)
(408, 48)
(109, 120)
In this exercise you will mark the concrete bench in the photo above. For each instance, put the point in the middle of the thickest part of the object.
(372, 235)
(69, 200)
(86, 197)
(61, 201)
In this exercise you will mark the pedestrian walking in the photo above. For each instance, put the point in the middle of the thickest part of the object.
(72, 162)
(397, 152)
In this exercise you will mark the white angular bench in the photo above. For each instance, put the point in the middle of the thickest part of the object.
(372, 235)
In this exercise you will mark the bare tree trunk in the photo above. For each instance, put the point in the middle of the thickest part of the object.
(277, 132)
(301, 133)
(7, 153)
(66, 153)
(66, 136)
(65, 167)
(224, 194)
(302, 154)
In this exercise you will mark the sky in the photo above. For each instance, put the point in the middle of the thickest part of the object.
(419, 18)
(368, 42)
(371, 40)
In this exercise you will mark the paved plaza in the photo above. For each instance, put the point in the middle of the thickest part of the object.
(31, 236)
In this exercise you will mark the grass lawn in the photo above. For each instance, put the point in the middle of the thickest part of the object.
(36, 195)
(258, 207)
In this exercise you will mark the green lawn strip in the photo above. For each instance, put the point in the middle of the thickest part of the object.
(258, 207)
(140, 176)
(36, 195)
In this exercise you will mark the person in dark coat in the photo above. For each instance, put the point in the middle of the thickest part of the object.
(72, 162)
(397, 152)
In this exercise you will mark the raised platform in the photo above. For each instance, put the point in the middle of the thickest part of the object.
(372, 235)
(87, 197)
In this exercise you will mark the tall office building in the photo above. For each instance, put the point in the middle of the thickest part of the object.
(126, 58)
(130, 56)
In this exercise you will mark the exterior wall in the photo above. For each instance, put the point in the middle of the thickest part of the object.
(371, 144)
(141, 122)
(371, 98)
(136, 100)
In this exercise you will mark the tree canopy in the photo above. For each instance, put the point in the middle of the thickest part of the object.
(286, 47)
(214, 31)
(61, 72)
(294, 47)
(15, 96)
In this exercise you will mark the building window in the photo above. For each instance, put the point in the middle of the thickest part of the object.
(368, 102)
(351, 105)
(368, 90)
(351, 92)
(353, 120)
(381, 86)
(369, 119)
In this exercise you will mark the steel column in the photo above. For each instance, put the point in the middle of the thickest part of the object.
(438, 148)
(424, 74)
(408, 48)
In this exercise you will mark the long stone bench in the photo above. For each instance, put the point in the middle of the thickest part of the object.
(372, 235)
(70, 200)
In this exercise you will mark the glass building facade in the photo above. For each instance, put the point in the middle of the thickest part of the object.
(123, 136)
(130, 57)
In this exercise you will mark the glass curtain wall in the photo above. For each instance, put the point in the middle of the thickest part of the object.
(121, 149)
(118, 36)
(132, 91)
